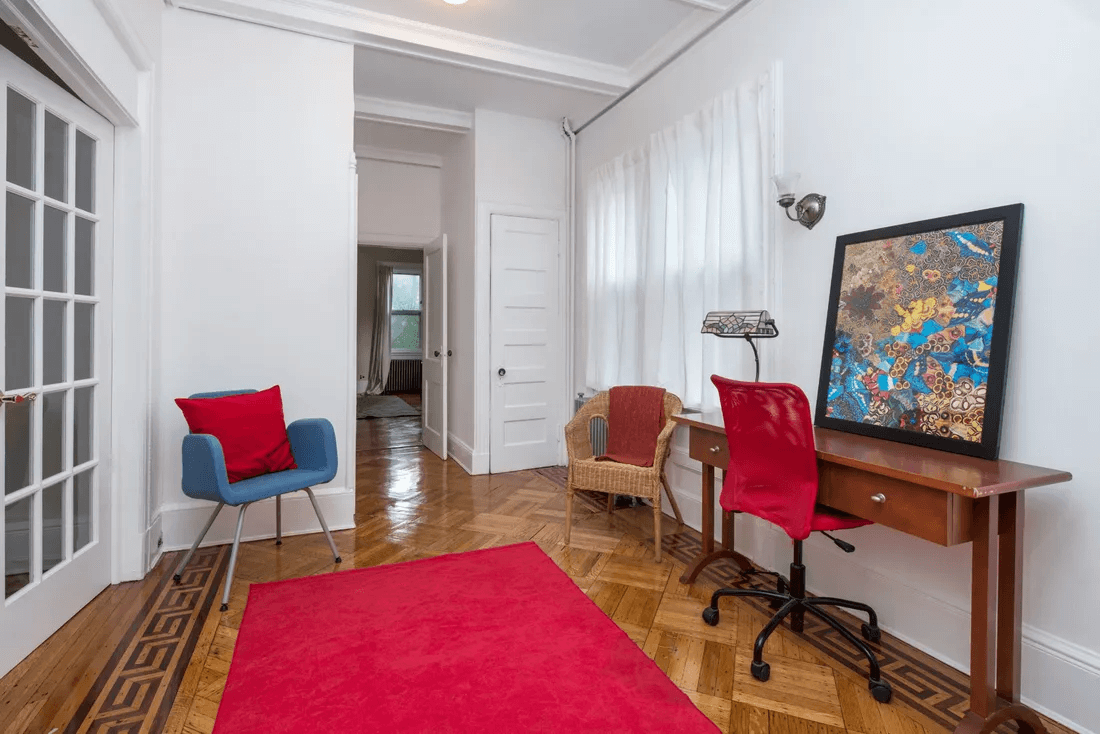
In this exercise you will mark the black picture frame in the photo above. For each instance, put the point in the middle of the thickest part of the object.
(918, 329)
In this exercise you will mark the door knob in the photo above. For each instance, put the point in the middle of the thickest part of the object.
(502, 372)
(437, 352)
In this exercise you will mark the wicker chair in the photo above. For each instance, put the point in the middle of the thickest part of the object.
(613, 478)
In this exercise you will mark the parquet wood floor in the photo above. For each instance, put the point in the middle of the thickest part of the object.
(144, 657)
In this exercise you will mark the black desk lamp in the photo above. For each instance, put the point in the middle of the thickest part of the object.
(747, 325)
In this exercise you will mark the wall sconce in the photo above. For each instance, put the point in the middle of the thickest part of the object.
(809, 210)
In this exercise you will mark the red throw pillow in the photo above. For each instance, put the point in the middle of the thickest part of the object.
(250, 428)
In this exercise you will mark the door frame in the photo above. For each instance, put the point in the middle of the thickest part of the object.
(121, 86)
(483, 384)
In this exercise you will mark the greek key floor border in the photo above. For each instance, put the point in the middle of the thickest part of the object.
(137, 687)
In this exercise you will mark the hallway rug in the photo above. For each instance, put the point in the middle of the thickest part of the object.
(496, 640)
(382, 406)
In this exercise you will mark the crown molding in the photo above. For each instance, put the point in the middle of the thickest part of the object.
(340, 22)
(409, 114)
(392, 155)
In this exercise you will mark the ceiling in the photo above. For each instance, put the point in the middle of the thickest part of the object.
(381, 74)
(541, 58)
(614, 32)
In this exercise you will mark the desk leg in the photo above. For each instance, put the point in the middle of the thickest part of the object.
(1010, 606)
(995, 619)
(983, 610)
(709, 554)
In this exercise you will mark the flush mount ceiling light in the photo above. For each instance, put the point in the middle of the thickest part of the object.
(454, 2)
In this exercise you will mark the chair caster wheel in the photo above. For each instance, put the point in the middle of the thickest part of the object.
(881, 690)
(761, 671)
(339, 559)
(176, 578)
(225, 607)
(710, 616)
(871, 634)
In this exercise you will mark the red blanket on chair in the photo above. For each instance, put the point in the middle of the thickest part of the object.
(635, 418)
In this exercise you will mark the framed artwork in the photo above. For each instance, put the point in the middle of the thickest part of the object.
(916, 341)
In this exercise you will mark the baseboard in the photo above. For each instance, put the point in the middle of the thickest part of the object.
(1059, 676)
(460, 452)
(154, 543)
(183, 522)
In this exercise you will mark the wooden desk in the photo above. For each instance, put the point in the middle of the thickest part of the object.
(945, 498)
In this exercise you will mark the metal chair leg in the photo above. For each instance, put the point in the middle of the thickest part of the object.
(324, 525)
(233, 556)
(278, 519)
(195, 545)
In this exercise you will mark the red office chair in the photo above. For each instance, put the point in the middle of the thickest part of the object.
(772, 474)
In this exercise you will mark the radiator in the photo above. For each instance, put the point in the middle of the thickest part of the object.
(405, 376)
(597, 428)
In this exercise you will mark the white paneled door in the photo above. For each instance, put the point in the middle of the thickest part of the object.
(55, 331)
(433, 398)
(527, 353)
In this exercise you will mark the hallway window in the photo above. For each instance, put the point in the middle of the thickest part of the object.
(405, 313)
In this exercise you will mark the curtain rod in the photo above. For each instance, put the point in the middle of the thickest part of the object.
(726, 15)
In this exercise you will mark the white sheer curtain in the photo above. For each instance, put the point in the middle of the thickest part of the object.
(677, 229)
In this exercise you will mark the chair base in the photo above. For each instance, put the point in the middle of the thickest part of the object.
(237, 540)
(791, 600)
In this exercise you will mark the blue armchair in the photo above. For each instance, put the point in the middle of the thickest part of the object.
(313, 443)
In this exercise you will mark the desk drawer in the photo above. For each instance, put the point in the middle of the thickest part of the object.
(941, 517)
(709, 448)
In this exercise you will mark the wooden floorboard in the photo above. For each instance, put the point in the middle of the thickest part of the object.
(153, 657)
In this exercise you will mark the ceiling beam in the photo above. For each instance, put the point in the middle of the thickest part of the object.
(710, 5)
(408, 114)
(349, 24)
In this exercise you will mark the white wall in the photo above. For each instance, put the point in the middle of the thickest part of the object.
(520, 168)
(904, 112)
(258, 244)
(459, 208)
(398, 202)
(369, 257)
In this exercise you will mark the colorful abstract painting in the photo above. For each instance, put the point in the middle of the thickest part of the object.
(918, 328)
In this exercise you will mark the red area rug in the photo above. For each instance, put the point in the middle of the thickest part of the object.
(492, 641)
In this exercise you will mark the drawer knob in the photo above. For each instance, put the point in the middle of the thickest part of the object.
(715, 449)
(880, 498)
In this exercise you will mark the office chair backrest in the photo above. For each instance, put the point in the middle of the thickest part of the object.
(773, 464)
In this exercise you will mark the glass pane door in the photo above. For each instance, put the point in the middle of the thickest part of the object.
(50, 378)
(57, 167)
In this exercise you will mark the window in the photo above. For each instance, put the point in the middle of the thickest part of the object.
(405, 315)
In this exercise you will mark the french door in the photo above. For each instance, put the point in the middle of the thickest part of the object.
(55, 375)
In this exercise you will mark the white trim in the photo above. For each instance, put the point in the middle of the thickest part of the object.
(391, 111)
(483, 320)
(124, 33)
(183, 521)
(154, 542)
(28, 19)
(407, 157)
(340, 22)
(460, 452)
(399, 241)
(351, 415)
(705, 5)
